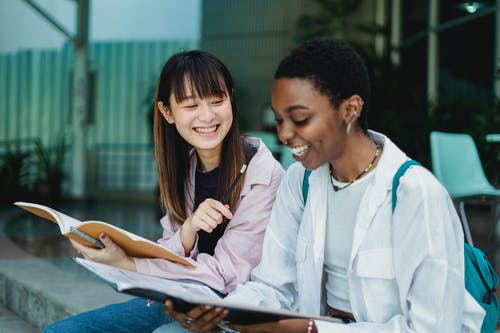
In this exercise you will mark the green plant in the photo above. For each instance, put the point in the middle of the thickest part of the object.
(14, 175)
(51, 172)
(51, 161)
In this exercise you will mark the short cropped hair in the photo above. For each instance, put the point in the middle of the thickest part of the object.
(333, 67)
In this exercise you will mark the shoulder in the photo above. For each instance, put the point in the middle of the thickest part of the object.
(416, 184)
(293, 182)
(263, 168)
(417, 180)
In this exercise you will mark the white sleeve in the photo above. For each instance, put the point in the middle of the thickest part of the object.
(273, 281)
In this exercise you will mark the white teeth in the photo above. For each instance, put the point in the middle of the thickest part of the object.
(300, 150)
(206, 129)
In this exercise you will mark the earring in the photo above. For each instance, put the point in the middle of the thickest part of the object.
(348, 128)
(285, 142)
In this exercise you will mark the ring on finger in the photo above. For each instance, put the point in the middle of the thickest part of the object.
(187, 320)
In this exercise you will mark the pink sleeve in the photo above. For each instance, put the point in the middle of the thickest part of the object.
(171, 239)
(237, 251)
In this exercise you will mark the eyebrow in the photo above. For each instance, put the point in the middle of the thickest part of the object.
(293, 108)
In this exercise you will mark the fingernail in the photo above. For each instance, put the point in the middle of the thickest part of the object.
(102, 235)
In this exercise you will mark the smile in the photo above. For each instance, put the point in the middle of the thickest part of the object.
(206, 130)
(300, 150)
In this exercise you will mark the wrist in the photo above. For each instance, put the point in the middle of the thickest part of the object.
(129, 264)
(187, 238)
(311, 327)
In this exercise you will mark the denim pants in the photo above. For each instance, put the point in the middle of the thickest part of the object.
(129, 317)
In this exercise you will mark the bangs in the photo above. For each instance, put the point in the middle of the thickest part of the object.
(208, 83)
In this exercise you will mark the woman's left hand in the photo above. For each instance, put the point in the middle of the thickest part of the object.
(111, 254)
(203, 318)
(200, 319)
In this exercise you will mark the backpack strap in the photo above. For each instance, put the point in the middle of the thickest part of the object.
(395, 181)
(305, 185)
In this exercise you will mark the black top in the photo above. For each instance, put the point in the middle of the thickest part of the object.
(205, 186)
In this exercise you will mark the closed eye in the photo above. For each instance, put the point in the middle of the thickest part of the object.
(301, 122)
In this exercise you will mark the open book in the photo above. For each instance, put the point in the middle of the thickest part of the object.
(186, 294)
(133, 245)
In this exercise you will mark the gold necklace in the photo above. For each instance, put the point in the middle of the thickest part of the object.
(338, 188)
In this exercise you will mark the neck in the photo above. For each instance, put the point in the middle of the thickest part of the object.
(356, 157)
(209, 158)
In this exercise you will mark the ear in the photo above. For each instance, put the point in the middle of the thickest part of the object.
(166, 113)
(353, 108)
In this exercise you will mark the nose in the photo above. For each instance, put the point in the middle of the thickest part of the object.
(206, 114)
(285, 133)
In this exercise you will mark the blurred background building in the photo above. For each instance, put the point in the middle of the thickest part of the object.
(77, 84)
(432, 65)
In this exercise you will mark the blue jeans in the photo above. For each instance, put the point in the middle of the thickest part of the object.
(173, 327)
(129, 317)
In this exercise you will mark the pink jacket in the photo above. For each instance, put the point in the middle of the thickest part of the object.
(240, 247)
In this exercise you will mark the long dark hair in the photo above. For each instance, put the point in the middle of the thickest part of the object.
(207, 76)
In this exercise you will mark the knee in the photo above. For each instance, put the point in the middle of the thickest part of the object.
(64, 326)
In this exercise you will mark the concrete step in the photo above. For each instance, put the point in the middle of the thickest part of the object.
(41, 292)
(11, 323)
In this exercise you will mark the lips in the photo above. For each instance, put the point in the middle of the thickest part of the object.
(206, 130)
(300, 150)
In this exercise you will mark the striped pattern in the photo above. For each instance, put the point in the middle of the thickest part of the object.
(35, 102)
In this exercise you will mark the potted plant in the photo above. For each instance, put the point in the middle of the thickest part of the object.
(50, 163)
(14, 177)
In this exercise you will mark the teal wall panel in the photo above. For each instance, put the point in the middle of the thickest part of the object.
(35, 102)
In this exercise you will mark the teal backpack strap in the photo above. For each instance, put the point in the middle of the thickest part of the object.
(305, 184)
(480, 278)
(395, 181)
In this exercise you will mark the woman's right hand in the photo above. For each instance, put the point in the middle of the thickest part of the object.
(209, 214)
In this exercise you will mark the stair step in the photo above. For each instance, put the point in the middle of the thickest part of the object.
(41, 292)
(11, 323)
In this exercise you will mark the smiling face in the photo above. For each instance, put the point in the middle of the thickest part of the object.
(202, 122)
(307, 122)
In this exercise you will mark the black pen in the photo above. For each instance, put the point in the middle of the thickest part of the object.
(233, 185)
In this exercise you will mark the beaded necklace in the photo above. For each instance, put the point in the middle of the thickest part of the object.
(338, 188)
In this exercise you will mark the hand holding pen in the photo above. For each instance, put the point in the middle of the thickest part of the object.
(209, 214)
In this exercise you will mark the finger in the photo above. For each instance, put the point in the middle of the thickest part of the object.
(106, 240)
(81, 248)
(199, 311)
(219, 206)
(203, 220)
(209, 319)
(216, 318)
(202, 225)
(215, 216)
(169, 310)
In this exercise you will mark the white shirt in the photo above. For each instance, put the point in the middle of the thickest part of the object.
(342, 210)
(406, 269)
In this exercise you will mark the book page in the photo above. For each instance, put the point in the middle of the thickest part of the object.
(145, 286)
(124, 279)
(65, 222)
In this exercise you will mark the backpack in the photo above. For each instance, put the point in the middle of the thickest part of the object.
(480, 278)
